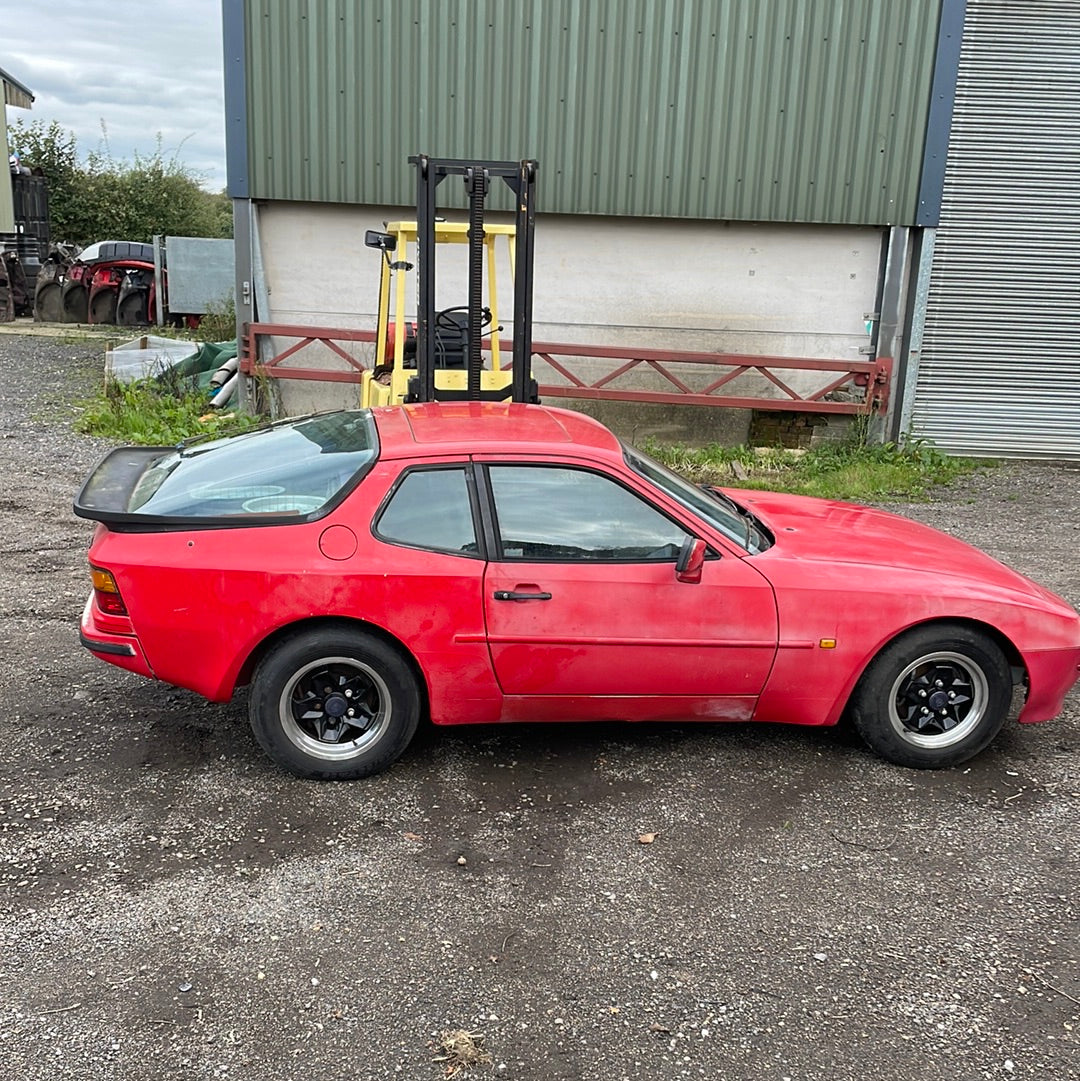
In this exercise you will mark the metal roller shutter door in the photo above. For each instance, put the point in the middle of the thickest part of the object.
(1000, 367)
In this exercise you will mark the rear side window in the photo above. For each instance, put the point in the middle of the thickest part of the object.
(431, 509)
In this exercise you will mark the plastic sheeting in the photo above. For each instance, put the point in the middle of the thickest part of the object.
(146, 357)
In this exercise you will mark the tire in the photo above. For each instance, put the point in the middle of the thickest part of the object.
(953, 681)
(103, 307)
(132, 310)
(302, 693)
(75, 302)
(48, 305)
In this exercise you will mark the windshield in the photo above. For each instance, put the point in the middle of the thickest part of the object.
(731, 519)
(292, 469)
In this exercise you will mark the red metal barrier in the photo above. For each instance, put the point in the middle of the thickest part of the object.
(868, 380)
(328, 336)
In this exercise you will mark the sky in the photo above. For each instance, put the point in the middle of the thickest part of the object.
(141, 69)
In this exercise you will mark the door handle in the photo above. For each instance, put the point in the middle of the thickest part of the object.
(511, 595)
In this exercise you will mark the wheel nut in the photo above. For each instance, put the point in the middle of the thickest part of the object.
(922, 694)
(348, 693)
(352, 713)
(938, 683)
(925, 712)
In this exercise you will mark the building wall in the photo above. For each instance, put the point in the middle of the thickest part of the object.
(773, 289)
(773, 110)
(714, 174)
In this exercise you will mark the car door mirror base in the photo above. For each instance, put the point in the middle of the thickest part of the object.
(691, 561)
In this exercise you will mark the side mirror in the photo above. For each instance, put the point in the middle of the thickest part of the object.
(383, 241)
(691, 560)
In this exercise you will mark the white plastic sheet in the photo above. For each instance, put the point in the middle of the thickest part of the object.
(146, 356)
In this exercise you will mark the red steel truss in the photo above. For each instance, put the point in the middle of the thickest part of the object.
(865, 383)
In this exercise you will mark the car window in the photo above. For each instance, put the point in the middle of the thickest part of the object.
(562, 514)
(430, 508)
(292, 469)
(734, 521)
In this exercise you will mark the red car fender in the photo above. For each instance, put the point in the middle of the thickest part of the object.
(812, 683)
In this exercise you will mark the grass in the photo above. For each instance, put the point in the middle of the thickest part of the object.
(157, 413)
(167, 409)
(852, 470)
(217, 324)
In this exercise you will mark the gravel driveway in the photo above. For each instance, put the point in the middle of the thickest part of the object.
(173, 906)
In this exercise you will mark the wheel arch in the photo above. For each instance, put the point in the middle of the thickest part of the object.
(1012, 655)
(315, 623)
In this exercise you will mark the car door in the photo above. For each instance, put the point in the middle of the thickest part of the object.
(581, 596)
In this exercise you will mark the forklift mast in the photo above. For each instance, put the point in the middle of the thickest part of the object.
(520, 177)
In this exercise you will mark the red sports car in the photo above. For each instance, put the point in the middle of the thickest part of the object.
(475, 562)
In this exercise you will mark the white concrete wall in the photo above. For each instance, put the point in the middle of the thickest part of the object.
(776, 289)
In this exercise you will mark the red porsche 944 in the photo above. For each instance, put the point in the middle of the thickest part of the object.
(477, 562)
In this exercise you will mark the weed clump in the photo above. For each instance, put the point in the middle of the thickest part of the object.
(158, 412)
(850, 470)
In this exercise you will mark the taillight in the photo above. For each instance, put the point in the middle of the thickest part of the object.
(106, 592)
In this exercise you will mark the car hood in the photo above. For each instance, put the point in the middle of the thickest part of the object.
(827, 530)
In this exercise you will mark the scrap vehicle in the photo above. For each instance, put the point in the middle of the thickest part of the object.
(22, 251)
(112, 281)
(454, 353)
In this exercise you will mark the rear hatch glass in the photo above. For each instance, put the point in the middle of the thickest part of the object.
(287, 472)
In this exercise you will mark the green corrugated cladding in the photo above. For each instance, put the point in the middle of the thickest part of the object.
(767, 110)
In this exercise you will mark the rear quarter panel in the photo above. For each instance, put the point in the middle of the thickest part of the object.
(203, 601)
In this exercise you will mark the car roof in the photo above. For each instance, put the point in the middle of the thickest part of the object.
(488, 427)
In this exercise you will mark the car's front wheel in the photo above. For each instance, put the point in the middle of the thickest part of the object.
(334, 704)
(933, 697)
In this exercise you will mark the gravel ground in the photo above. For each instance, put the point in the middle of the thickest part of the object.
(172, 905)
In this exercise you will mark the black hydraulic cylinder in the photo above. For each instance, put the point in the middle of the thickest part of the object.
(476, 184)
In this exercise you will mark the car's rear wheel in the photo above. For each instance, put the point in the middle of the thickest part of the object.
(933, 697)
(334, 704)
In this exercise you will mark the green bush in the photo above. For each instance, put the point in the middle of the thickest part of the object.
(98, 198)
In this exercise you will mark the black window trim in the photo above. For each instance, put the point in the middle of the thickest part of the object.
(475, 504)
(494, 537)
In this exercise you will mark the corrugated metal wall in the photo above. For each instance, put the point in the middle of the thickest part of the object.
(769, 110)
(1000, 366)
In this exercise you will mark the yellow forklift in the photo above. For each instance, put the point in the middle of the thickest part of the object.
(441, 357)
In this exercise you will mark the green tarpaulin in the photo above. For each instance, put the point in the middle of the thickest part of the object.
(201, 367)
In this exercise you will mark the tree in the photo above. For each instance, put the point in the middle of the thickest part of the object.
(102, 199)
(51, 149)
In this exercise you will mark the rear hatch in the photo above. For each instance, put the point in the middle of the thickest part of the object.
(293, 471)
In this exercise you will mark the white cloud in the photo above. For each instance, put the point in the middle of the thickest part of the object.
(142, 70)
